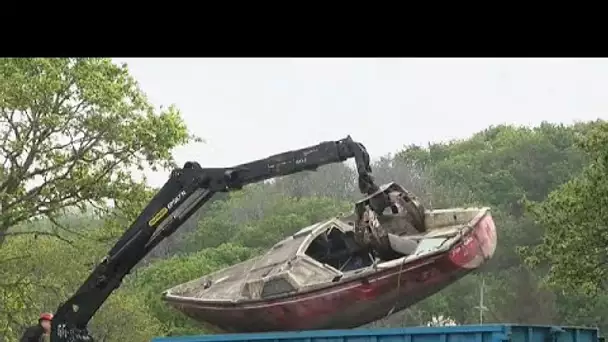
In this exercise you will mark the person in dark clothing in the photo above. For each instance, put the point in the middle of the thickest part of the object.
(39, 332)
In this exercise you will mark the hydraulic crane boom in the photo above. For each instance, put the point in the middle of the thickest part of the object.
(182, 195)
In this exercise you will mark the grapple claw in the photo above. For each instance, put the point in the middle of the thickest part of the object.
(383, 229)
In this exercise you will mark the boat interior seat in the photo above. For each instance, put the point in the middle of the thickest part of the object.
(351, 243)
(403, 244)
(342, 244)
(334, 246)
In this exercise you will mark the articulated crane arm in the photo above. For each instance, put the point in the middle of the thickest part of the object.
(185, 192)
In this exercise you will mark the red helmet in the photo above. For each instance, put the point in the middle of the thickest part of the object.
(45, 316)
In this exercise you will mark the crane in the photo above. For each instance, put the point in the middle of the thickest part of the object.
(187, 189)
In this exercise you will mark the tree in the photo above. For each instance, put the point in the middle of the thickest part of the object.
(500, 167)
(72, 131)
(152, 280)
(502, 164)
(258, 217)
(574, 217)
(334, 180)
(41, 272)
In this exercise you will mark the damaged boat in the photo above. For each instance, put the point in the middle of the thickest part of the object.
(346, 271)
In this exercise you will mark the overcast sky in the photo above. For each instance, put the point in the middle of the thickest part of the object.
(248, 109)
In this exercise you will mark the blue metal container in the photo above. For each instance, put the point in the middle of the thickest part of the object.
(463, 333)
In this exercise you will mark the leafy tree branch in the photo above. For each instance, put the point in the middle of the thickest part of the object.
(72, 131)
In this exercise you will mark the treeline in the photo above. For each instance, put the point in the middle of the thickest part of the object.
(546, 185)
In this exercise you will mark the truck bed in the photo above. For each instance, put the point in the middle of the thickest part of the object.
(462, 333)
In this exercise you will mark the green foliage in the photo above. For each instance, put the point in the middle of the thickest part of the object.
(126, 317)
(501, 165)
(258, 217)
(149, 282)
(574, 217)
(71, 131)
(331, 181)
(40, 271)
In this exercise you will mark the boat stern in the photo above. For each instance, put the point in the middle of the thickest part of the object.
(478, 246)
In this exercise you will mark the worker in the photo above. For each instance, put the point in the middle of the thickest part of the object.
(41, 331)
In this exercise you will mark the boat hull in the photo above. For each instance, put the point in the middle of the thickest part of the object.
(356, 302)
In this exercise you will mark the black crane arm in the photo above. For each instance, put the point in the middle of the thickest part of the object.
(185, 192)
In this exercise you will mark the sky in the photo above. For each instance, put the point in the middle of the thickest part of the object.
(248, 109)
